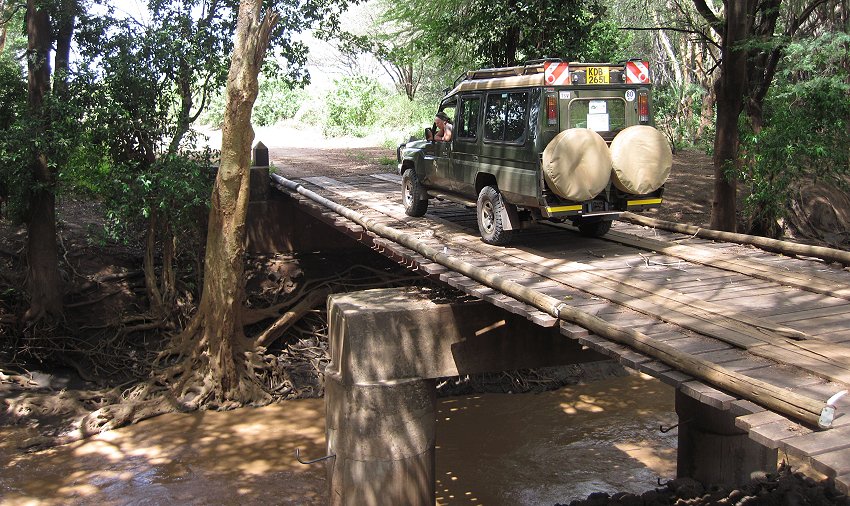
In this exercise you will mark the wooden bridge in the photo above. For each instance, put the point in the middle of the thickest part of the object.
(778, 320)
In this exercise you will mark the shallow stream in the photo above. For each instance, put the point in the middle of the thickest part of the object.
(491, 449)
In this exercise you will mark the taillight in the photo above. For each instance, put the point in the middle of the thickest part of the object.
(643, 107)
(552, 109)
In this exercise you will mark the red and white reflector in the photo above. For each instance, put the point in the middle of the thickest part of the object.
(555, 73)
(637, 72)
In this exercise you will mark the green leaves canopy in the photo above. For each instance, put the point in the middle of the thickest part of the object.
(507, 32)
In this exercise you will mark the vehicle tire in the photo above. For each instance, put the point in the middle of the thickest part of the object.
(489, 209)
(413, 194)
(595, 228)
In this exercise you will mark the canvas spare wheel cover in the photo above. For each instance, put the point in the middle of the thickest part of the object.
(577, 164)
(641, 158)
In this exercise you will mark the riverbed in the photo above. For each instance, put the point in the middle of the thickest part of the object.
(491, 449)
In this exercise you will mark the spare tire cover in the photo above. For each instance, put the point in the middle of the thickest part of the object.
(577, 164)
(641, 158)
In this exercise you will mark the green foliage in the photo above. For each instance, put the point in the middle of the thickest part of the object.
(213, 115)
(352, 106)
(807, 127)
(606, 43)
(277, 101)
(472, 33)
(670, 101)
(175, 188)
(150, 82)
(55, 134)
(16, 38)
(360, 106)
(14, 137)
(400, 113)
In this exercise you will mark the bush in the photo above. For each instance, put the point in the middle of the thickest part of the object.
(277, 101)
(403, 118)
(15, 139)
(353, 106)
(806, 132)
(677, 112)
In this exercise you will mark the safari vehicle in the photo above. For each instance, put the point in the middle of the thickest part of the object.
(548, 140)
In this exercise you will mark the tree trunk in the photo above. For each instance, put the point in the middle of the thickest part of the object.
(731, 87)
(184, 89)
(43, 281)
(62, 58)
(3, 26)
(149, 266)
(706, 116)
(218, 320)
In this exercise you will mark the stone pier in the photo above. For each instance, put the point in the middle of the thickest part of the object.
(713, 450)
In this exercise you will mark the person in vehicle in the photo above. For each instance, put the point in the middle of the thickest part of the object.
(444, 128)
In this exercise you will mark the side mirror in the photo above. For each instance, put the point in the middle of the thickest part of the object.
(429, 134)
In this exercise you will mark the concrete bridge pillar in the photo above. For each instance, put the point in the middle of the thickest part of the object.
(713, 451)
(383, 437)
(386, 348)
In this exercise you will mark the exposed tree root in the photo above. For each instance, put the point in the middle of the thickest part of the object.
(187, 377)
(311, 301)
(283, 356)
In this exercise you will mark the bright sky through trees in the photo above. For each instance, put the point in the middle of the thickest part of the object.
(136, 9)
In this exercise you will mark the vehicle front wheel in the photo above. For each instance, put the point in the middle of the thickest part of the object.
(413, 194)
(594, 229)
(490, 209)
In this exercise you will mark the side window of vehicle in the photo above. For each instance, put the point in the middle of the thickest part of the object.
(533, 114)
(505, 117)
(515, 117)
(468, 119)
(494, 117)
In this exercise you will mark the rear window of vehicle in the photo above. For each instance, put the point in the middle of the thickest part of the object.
(601, 115)
(505, 117)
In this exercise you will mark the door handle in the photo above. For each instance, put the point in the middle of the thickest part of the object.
(474, 158)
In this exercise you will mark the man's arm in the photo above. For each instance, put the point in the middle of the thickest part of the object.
(447, 133)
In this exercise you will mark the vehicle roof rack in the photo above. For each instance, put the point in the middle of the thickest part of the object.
(529, 67)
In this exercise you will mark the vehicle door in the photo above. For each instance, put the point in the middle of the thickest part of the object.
(441, 170)
(506, 145)
(466, 144)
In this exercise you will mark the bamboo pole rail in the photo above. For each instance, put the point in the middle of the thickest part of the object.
(765, 243)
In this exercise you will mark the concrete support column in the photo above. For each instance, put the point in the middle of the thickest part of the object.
(713, 451)
(383, 437)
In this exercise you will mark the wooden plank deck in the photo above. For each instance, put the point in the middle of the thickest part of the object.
(778, 319)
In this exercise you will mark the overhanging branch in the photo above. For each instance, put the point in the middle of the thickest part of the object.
(701, 34)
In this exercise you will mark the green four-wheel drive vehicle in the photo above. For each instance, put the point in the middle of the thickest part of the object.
(548, 140)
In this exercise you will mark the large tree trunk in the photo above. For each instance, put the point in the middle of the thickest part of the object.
(62, 59)
(3, 26)
(43, 281)
(218, 322)
(211, 363)
(731, 87)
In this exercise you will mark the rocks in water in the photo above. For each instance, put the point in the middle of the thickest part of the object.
(784, 488)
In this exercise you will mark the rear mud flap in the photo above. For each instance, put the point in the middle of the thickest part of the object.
(510, 218)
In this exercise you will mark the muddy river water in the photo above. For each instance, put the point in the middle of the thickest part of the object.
(491, 449)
